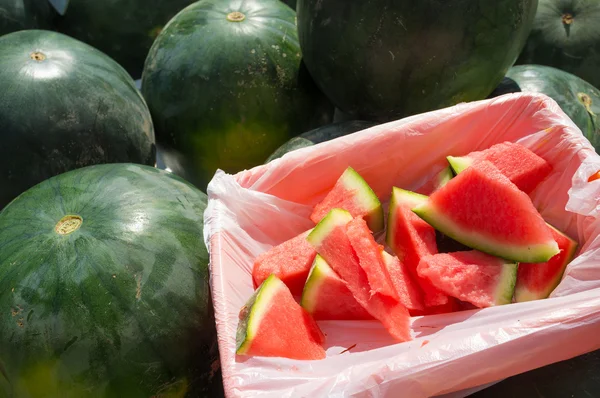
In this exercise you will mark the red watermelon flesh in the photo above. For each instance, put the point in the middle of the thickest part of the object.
(537, 280)
(326, 296)
(289, 261)
(330, 240)
(411, 238)
(273, 324)
(523, 167)
(473, 276)
(409, 292)
(482, 209)
(369, 257)
(352, 193)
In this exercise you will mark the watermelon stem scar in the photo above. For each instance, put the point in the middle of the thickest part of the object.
(37, 56)
(235, 16)
(68, 224)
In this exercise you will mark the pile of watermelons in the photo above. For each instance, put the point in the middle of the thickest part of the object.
(103, 271)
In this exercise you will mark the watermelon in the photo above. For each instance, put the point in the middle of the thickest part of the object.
(272, 324)
(438, 181)
(105, 282)
(124, 30)
(506, 86)
(411, 238)
(226, 87)
(471, 276)
(64, 106)
(537, 281)
(352, 193)
(408, 290)
(320, 134)
(18, 15)
(483, 209)
(327, 297)
(565, 35)
(330, 240)
(290, 262)
(382, 60)
(523, 167)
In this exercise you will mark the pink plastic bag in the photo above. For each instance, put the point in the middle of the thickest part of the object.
(250, 212)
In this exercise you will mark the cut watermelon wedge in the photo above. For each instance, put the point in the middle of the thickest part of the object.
(326, 296)
(482, 209)
(272, 324)
(330, 240)
(523, 167)
(474, 277)
(352, 193)
(289, 261)
(408, 290)
(369, 257)
(411, 238)
(536, 281)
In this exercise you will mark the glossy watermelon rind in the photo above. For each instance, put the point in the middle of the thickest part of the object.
(335, 218)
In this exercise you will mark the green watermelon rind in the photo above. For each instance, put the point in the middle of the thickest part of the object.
(526, 254)
(523, 294)
(256, 308)
(444, 176)
(399, 196)
(317, 275)
(335, 218)
(506, 285)
(367, 198)
(459, 163)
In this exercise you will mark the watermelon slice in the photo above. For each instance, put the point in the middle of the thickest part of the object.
(523, 167)
(408, 290)
(330, 240)
(369, 257)
(482, 209)
(473, 276)
(352, 193)
(289, 261)
(326, 296)
(537, 281)
(411, 238)
(272, 324)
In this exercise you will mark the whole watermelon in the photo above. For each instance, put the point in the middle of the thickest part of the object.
(65, 105)
(225, 85)
(320, 134)
(18, 15)
(123, 29)
(566, 35)
(105, 287)
(382, 60)
(576, 97)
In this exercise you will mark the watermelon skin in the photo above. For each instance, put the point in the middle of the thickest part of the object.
(482, 209)
(408, 290)
(273, 324)
(473, 276)
(320, 134)
(327, 297)
(411, 238)
(225, 94)
(290, 261)
(537, 281)
(123, 29)
(331, 242)
(415, 56)
(523, 168)
(74, 108)
(119, 307)
(18, 15)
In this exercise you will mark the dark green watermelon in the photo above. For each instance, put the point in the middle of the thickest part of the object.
(506, 86)
(104, 287)
(320, 134)
(18, 15)
(576, 97)
(566, 35)
(65, 105)
(225, 84)
(123, 29)
(382, 60)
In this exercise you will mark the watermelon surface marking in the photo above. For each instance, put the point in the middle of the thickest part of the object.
(536, 281)
(482, 209)
(472, 276)
(352, 193)
(290, 261)
(326, 296)
(408, 290)
(331, 242)
(273, 324)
